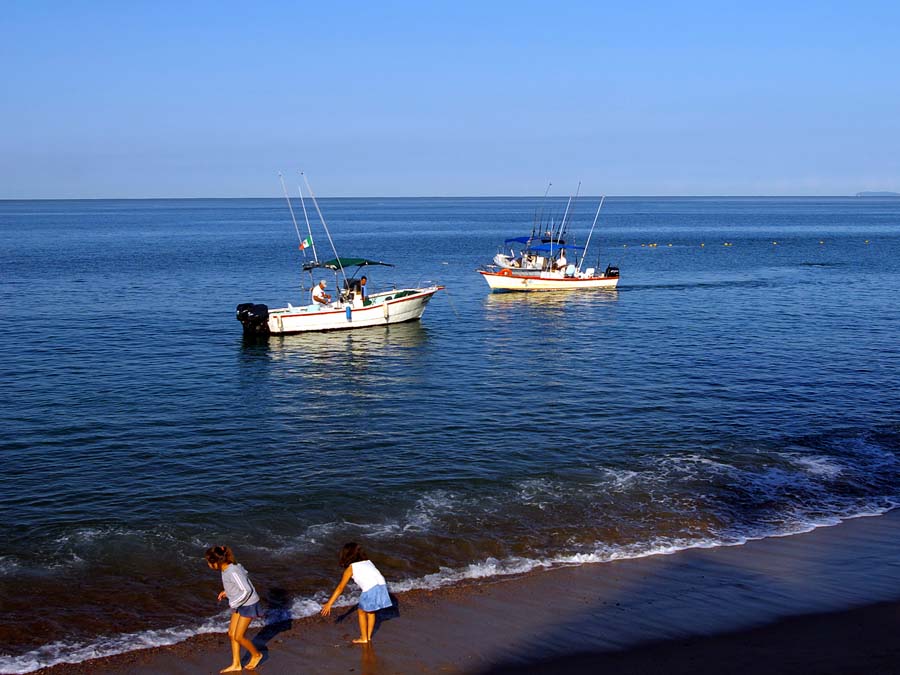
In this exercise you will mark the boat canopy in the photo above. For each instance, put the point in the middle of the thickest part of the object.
(517, 240)
(352, 262)
(555, 247)
(338, 263)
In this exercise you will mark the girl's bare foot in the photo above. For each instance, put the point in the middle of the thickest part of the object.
(231, 669)
(254, 661)
(360, 641)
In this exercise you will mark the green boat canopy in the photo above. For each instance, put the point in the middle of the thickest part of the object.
(337, 263)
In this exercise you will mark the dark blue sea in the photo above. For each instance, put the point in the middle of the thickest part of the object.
(722, 393)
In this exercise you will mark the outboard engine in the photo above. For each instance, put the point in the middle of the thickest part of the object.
(254, 318)
(611, 271)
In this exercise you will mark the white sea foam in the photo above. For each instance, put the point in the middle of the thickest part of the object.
(428, 508)
(8, 565)
(818, 465)
(618, 479)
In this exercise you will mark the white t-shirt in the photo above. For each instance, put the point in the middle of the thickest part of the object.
(317, 295)
(366, 575)
(561, 262)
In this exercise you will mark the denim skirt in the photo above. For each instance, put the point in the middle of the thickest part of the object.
(375, 598)
(253, 611)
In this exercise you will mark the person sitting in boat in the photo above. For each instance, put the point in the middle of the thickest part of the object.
(561, 261)
(318, 295)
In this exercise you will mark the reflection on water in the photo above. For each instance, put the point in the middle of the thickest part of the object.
(546, 304)
(359, 343)
(318, 366)
(553, 298)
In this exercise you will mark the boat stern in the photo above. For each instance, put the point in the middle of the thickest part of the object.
(254, 318)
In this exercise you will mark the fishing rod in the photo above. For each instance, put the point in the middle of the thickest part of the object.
(588, 243)
(312, 242)
(563, 228)
(291, 209)
(558, 230)
(538, 220)
(325, 227)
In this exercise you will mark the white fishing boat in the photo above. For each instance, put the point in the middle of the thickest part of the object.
(542, 265)
(353, 307)
(505, 280)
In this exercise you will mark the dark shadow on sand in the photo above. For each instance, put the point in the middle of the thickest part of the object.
(278, 620)
(381, 615)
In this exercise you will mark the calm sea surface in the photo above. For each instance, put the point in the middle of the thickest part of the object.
(722, 393)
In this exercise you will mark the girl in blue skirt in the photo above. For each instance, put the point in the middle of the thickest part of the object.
(358, 567)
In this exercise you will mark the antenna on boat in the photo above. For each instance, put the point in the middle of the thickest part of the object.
(324, 226)
(588, 243)
(291, 209)
(308, 227)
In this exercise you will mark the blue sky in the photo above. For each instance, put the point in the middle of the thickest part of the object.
(157, 99)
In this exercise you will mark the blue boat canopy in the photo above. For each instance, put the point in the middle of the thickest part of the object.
(517, 240)
(555, 247)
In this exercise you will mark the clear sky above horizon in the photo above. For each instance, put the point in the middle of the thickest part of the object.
(109, 99)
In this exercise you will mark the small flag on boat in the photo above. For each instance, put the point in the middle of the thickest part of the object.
(304, 244)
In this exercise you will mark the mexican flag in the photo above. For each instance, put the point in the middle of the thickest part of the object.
(305, 244)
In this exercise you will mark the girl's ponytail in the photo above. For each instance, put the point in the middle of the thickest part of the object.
(219, 555)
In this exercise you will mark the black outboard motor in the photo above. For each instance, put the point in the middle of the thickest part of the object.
(611, 272)
(254, 318)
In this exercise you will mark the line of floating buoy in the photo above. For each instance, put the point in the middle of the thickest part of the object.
(727, 243)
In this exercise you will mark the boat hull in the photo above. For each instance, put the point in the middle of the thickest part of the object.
(385, 309)
(507, 281)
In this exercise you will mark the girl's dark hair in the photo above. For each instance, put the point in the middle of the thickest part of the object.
(352, 553)
(217, 555)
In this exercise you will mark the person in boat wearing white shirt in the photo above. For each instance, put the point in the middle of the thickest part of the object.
(318, 295)
(375, 596)
(561, 261)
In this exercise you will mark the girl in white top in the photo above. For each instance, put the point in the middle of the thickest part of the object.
(375, 596)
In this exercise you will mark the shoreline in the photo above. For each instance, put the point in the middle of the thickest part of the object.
(689, 606)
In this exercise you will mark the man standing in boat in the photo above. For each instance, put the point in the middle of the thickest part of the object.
(363, 293)
(318, 295)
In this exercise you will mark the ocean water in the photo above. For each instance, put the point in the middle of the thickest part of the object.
(722, 393)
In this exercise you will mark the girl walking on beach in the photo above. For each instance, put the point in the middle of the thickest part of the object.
(358, 567)
(244, 602)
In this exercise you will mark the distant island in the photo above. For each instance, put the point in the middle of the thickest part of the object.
(878, 194)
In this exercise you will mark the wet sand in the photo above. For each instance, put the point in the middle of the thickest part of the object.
(823, 602)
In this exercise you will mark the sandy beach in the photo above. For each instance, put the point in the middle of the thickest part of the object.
(827, 601)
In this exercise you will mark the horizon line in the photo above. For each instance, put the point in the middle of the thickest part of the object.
(862, 195)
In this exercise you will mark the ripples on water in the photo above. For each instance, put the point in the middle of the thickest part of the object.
(721, 393)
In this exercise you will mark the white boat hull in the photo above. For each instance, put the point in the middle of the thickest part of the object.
(385, 309)
(544, 281)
